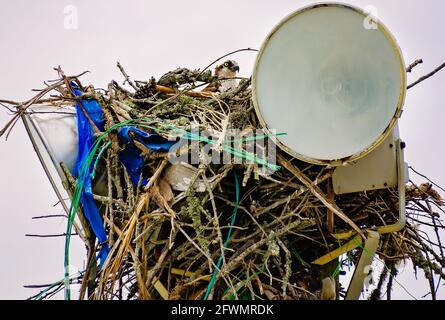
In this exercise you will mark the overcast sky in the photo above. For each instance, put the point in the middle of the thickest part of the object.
(150, 38)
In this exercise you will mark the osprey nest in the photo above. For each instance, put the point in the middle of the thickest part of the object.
(244, 228)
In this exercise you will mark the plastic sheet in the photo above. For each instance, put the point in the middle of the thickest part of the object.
(86, 140)
(131, 156)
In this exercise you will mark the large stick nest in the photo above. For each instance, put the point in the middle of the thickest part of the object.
(166, 244)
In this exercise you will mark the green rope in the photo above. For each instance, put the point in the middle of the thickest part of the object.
(76, 199)
(73, 209)
(229, 234)
(93, 173)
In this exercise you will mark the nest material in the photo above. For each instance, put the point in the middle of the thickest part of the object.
(234, 231)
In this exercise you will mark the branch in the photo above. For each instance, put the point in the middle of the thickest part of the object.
(49, 235)
(126, 76)
(50, 216)
(432, 73)
(413, 65)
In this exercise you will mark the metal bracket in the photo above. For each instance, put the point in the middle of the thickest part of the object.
(372, 240)
(362, 271)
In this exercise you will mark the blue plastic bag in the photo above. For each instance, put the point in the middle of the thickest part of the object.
(86, 140)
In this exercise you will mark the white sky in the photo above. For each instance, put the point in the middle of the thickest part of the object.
(151, 38)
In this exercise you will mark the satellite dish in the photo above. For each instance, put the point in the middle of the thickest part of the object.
(332, 81)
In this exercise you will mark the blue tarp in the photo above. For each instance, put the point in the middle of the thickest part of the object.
(130, 157)
(86, 140)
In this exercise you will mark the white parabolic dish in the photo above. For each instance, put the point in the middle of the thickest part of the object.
(333, 85)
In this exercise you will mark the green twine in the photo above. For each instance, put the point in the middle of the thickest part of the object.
(232, 222)
(93, 173)
(76, 199)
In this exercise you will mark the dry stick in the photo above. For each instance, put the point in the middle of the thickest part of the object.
(111, 269)
(11, 102)
(431, 276)
(70, 184)
(50, 216)
(71, 91)
(420, 245)
(281, 232)
(202, 251)
(423, 176)
(121, 114)
(90, 274)
(218, 231)
(144, 253)
(275, 204)
(25, 105)
(89, 239)
(432, 73)
(330, 214)
(156, 175)
(288, 270)
(413, 65)
(422, 265)
(318, 193)
(168, 90)
(427, 240)
(104, 279)
(436, 230)
(49, 235)
(129, 229)
(110, 197)
(114, 148)
(126, 76)
(215, 216)
(425, 223)
(144, 294)
(151, 274)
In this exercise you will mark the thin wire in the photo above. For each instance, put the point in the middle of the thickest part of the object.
(228, 54)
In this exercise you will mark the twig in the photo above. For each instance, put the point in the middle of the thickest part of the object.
(432, 73)
(413, 65)
(127, 78)
(49, 235)
(423, 176)
(50, 216)
(317, 192)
